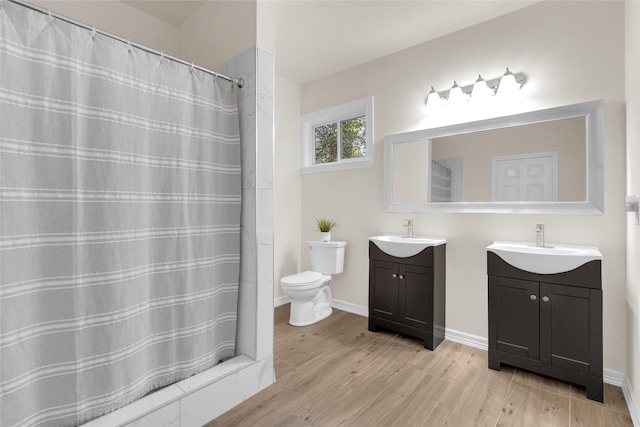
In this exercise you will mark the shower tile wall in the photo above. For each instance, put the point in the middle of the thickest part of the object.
(255, 103)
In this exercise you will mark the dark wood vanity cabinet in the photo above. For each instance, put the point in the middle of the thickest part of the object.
(547, 323)
(407, 295)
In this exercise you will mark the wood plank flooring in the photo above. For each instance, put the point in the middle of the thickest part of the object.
(337, 373)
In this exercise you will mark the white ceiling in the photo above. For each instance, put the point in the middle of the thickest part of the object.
(316, 38)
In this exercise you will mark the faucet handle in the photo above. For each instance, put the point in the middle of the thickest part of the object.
(408, 222)
(539, 227)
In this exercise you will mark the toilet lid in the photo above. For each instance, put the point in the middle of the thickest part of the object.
(303, 278)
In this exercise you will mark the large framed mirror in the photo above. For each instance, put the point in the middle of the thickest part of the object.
(545, 161)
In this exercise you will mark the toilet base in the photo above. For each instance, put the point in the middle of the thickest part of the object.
(305, 313)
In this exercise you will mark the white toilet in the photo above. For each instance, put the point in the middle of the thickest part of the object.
(309, 291)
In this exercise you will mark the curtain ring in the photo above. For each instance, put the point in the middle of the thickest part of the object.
(192, 68)
(93, 32)
(129, 45)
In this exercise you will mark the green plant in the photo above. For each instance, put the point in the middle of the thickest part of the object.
(325, 225)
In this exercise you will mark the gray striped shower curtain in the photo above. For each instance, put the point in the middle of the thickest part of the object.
(119, 221)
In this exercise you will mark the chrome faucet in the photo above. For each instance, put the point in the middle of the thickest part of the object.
(540, 235)
(409, 224)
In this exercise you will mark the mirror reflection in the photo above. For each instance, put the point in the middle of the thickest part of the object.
(545, 161)
(538, 162)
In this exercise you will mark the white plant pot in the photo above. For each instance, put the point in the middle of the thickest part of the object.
(325, 236)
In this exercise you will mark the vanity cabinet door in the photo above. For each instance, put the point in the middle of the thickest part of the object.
(415, 295)
(383, 290)
(569, 326)
(514, 316)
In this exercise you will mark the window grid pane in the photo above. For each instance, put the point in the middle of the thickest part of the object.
(353, 141)
(326, 143)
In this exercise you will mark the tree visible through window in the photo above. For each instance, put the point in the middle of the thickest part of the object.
(326, 143)
(350, 142)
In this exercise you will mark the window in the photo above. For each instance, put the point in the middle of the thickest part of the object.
(339, 137)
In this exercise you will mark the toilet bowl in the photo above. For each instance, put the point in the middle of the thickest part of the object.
(309, 291)
(310, 297)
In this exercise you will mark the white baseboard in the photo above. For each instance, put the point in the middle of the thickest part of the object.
(634, 408)
(613, 377)
(351, 308)
(277, 302)
(466, 339)
(610, 376)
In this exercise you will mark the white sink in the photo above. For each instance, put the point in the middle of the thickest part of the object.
(403, 247)
(550, 259)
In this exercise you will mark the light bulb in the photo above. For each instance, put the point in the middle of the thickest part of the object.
(508, 85)
(456, 96)
(433, 99)
(480, 90)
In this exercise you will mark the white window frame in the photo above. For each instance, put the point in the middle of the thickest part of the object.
(358, 108)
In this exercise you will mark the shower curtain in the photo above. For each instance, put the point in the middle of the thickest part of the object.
(119, 220)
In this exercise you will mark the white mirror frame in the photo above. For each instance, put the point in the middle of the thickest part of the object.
(593, 112)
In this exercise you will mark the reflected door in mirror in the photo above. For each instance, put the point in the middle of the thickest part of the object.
(526, 178)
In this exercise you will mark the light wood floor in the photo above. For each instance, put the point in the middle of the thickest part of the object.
(337, 373)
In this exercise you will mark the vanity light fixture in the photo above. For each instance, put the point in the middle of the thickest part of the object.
(504, 86)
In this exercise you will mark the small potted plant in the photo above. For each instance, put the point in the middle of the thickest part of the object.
(325, 226)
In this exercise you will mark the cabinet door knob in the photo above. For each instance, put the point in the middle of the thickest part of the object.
(533, 297)
(402, 276)
(394, 275)
(545, 299)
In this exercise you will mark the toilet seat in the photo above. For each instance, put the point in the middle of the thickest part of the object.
(304, 280)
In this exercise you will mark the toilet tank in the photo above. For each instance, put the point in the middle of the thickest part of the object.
(327, 257)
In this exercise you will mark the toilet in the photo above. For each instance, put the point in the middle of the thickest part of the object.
(309, 291)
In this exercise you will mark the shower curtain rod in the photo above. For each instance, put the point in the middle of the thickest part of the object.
(238, 81)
